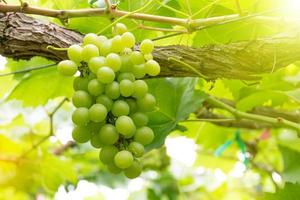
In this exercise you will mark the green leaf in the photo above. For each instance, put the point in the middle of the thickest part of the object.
(41, 86)
(291, 160)
(294, 94)
(289, 192)
(176, 99)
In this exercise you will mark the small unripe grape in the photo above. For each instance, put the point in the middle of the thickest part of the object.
(112, 168)
(140, 119)
(137, 58)
(90, 38)
(144, 135)
(80, 83)
(107, 154)
(89, 51)
(126, 88)
(119, 29)
(82, 99)
(81, 134)
(134, 170)
(123, 159)
(120, 108)
(67, 67)
(105, 100)
(108, 134)
(112, 90)
(74, 53)
(136, 149)
(113, 61)
(147, 103)
(148, 56)
(139, 70)
(106, 48)
(117, 44)
(128, 39)
(140, 89)
(126, 76)
(126, 63)
(146, 46)
(105, 75)
(95, 87)
(95, 63)
(125, 126)
(80, 116)
(95, 141)
(132, 105)
(152, 68)
(97, 113)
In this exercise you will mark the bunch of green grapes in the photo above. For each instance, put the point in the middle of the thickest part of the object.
(111, 100)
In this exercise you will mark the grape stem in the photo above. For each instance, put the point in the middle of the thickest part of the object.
(243, 115)
(190, 24)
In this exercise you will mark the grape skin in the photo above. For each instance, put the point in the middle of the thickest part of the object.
(120, 108)
(108, 134)
(80, 116)
(105, 75)
(134, 170)
(123, 159)
(74, 53)
(81, 99)
(125, 126)
(89, 51)
(112, 90)
(95, 63)
(107, 154)
(106, 101)
(140, 119)
(81, 134)
(146, 46)
(80, 83)
(136, 149)
(97, 113)
(67, 67)
(95, 87)
(126, 88)
(144, 135)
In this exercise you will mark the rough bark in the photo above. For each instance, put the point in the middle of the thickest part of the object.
(23, 37)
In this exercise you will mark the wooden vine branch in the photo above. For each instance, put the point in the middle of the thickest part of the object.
(22, 37)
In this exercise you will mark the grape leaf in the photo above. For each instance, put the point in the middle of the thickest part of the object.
(289, 192)
(40, 86)
(291, 160)
(176, 99)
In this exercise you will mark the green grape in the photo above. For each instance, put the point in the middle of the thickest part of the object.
(140, 119)
(137, 58)
(120, 108)
(125, 126)
(97, 113)
(106, 48)
(95, 87)
(112, 90)
(128, 39)
(95, 126)
(144, 135)
(134, 170)
(147, 103)
(67, 67)
(113, 61)
(126, 76)
(117, 44)
(136, 149)
(108, 134)
(148, 56)
(92, 76)
(132, 105)
(80, 83)
(105, 75)
(74, 53)
(90, 38)
(82, 99)
(95, 63)
(81, 134)
(139, 70)
(140, 89)
(126, 88)
(112, 168)
(123, 159)
(89, 51)
(107, 154)
(105, 100)
(152, 68)
(80, 116)
(146, 46)
(126, 63)
(95, 141)
(119, 29)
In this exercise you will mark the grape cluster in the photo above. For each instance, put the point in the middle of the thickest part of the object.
(111, 100)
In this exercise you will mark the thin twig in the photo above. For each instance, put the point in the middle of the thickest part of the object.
(142, 26)
(209, 120)
(28, 69)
